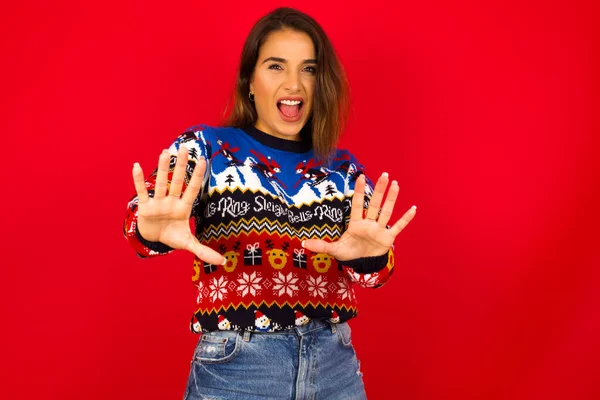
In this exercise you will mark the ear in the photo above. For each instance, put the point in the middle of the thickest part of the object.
(252, 83)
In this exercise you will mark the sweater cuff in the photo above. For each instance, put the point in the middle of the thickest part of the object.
(367, 265)
(155, 246)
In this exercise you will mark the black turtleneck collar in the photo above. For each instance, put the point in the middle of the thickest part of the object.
(302, 146)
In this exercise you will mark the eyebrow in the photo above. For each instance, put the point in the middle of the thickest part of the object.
(283, 60)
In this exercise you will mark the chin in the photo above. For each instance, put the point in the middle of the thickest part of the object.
(290, 130)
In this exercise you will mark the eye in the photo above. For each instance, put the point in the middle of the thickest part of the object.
(275, 66)
(312, 70)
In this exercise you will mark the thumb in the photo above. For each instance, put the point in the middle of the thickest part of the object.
(205, 253)
(319, 246)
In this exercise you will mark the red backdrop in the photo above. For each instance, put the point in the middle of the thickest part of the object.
(486, 114)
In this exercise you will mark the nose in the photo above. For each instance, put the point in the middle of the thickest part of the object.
(292, 82)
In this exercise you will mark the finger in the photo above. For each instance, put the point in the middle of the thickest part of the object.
(377, 197)
(402, 222)
(140, 184)
(193, 188)
(358, 199)
(388, 206)
(205, 253)
(179, 173)
(319, 246)
(160, 188)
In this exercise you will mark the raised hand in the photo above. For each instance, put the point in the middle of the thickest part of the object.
(367, 235)
(165, 217)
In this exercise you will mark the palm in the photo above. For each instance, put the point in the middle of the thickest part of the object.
(368, 235)
(363, 239)
(165, 217)
(170, 219)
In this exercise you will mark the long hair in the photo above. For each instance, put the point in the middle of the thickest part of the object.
(331, 95)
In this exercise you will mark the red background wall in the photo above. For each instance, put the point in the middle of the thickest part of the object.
(485, 112)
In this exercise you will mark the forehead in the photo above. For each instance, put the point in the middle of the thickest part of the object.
(288, 44)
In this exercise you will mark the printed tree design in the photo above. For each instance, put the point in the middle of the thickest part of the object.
(229, 179)
(329, 190)
(193, 153)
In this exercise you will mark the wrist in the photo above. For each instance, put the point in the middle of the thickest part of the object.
(367, 265)
(152, 245)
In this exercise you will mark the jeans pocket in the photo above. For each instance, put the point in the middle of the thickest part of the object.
(344, 333)
(217, 347)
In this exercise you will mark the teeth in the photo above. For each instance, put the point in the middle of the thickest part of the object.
(290, 102)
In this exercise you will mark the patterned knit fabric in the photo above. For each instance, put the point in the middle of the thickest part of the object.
(262, 196)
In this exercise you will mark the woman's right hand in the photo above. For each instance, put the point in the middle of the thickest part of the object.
(165, 217)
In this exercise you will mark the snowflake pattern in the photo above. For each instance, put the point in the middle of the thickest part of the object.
(285, 284)
(249, 284)
(345, 290)
(317, 287)
(201, 291)
(218, 288)
(366, 280)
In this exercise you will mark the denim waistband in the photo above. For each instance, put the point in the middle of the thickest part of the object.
(311, 326)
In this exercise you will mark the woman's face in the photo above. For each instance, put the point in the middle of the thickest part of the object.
(283, 83)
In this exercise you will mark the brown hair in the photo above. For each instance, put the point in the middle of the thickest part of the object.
(331, 96)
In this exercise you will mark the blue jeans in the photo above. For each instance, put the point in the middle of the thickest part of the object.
(314, 361)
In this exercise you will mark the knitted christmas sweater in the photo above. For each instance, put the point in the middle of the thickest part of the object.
(261, 197)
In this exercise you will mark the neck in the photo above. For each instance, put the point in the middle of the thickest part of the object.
(264, 128)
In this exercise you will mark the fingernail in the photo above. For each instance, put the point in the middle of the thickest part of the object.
(394, 182)
(136, 165)
(224, 261)
(303, 243)
(414, 207)
(384, 175)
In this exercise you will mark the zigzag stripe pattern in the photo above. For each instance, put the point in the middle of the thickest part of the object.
(254, 225)
(204, 311)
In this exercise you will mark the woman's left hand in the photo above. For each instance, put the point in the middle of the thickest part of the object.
(368, 235)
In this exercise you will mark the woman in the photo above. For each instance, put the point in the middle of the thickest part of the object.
(281, 234)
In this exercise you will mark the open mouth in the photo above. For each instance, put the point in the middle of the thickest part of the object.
(290, 110)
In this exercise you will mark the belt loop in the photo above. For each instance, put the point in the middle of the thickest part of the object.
(246, 336)
(333, 327)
